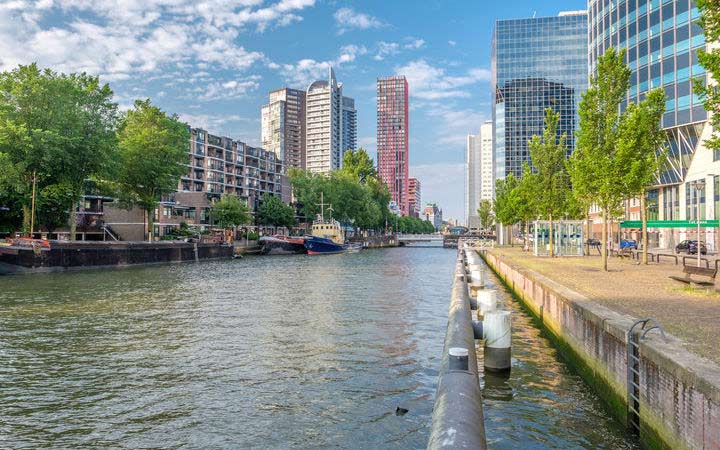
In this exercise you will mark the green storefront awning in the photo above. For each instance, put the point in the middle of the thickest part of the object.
(670, 224)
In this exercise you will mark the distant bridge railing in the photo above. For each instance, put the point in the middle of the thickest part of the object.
(420, 237)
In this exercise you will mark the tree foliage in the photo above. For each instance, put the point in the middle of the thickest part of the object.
(153, 149)
(709, 93)
(359, 165)
(272, 211)
(229, 212)
(58, 129)
(551, 182)
(605, 167)
(414, 225)
(485, 212)
(356, 195)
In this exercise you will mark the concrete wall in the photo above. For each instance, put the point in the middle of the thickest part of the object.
(680, 392)
(129, 224)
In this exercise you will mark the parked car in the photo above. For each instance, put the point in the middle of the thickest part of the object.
(628, 243)
(690, 247)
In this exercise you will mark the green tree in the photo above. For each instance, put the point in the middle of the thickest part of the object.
(358, 164)
(596, 167)
(524, 200)
(485, 212)
(56, 130)
(641, 143)
(552, 182)
(709, 93)
(229, 212)
(272, 211)
(153, 150)
(505, 205)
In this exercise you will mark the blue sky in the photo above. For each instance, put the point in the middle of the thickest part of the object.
(213, 62)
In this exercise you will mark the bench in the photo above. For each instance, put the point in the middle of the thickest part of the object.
(699, 271)
(624, 252)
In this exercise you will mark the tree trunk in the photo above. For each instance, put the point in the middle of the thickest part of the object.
(551, 251)
(73, 221)
(604, 240)
(643, 217)
(509, 234)
(527, 231)
(588, 231)
(26, 219)
(149, 222)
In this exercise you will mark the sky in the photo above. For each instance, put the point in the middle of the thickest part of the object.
(212, 62)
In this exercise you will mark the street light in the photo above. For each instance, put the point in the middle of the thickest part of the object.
(698, 185)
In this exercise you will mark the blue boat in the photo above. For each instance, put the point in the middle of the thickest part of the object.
(327, 237)
(322, 246)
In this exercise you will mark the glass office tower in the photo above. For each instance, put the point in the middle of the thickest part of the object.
(662, 38)
(537, 63)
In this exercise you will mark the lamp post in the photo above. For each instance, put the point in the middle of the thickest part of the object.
(698, 185)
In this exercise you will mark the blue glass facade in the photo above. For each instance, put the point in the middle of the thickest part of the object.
(536, 63)
(661, 39)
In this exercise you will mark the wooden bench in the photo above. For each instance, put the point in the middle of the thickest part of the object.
(699, 271)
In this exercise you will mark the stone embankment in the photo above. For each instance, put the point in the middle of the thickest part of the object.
(678, 391)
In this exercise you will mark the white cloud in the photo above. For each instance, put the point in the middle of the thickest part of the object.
(225, 90)
(347, 19)
(211, 122)
(307, 70)
(119, 39)
(385, 49)
(452, 43)
(454, 124)
(414, 44)
(431, 83)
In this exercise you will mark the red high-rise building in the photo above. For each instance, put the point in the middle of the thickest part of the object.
(392, 137)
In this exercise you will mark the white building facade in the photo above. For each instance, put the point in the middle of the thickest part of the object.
(472, 180)
(323, 118)
(487, 174)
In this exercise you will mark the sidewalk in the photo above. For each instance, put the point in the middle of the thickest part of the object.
(637, 290)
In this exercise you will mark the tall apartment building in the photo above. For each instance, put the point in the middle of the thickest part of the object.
(472, 181)
(414, 197)
(349, 124)
(323, 118)
(392, 137)
(487, 175)
(283, 126)
(536, 63)
(662, 40)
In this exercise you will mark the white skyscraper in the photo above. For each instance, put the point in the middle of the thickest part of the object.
(472, 180)
(323, 138)
(487, 174)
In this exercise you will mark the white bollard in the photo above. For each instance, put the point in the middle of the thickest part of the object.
(498, 340)
(477, 280)
(487, 301)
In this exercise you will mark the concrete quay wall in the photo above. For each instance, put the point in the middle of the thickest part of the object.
(62, 256)
(679, 391)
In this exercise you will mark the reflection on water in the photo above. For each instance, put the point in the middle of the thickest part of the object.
(541, 403)
(270, 352)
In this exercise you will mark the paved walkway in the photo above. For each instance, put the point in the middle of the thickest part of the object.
(638, 290)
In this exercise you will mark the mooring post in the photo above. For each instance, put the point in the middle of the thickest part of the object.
(487, 301)
(498, 341)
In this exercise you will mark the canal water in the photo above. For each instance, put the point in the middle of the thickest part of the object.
(264, 352)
